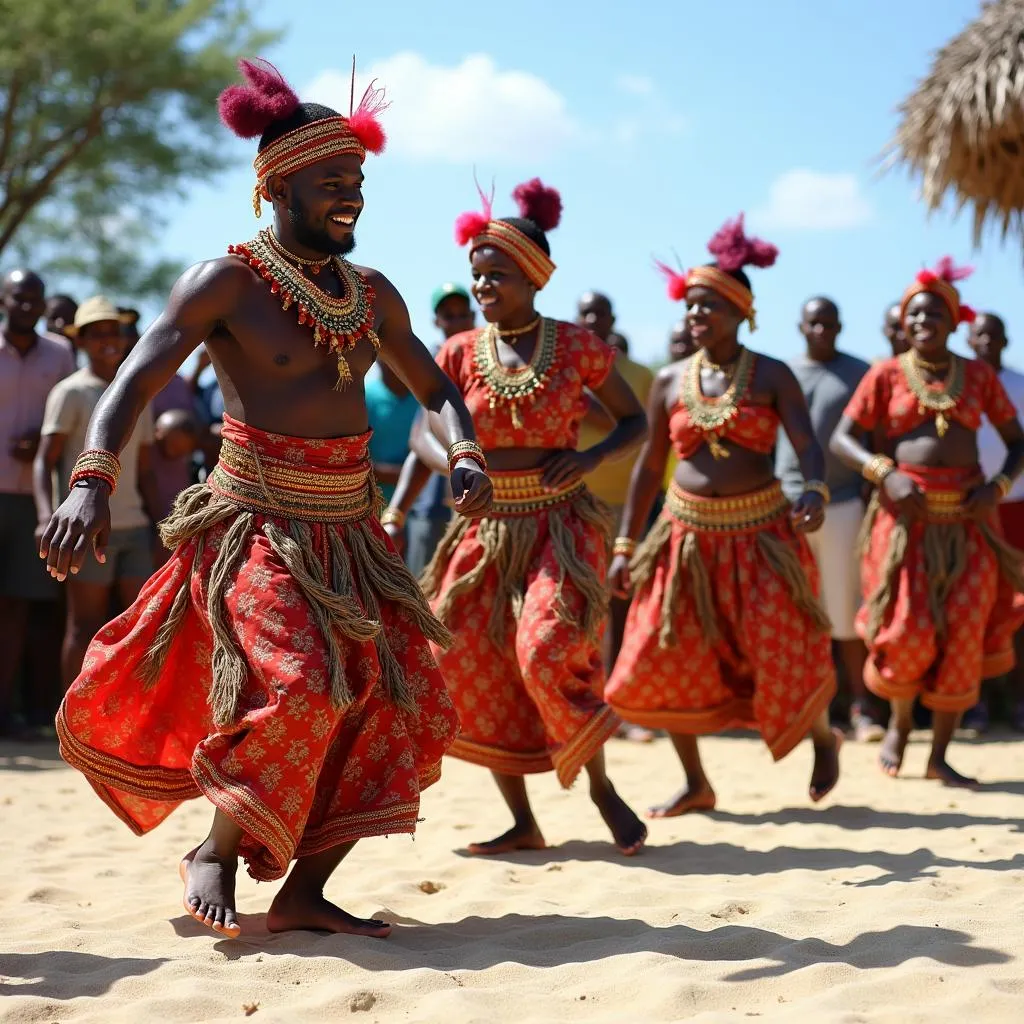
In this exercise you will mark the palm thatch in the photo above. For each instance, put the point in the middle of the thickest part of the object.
(962, 129)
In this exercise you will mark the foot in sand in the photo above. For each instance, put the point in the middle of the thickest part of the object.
(940, 769)
(521, 836)
(311, 912)
(635, 733)
(210, 890)
(890, 756)
(628, 831)
(687, 800)
(825, 773)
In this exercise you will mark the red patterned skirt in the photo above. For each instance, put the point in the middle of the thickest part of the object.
(942, 598)
(523, 592)
(725, 630)
(278, 663)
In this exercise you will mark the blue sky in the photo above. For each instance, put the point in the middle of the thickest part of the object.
(656, 121)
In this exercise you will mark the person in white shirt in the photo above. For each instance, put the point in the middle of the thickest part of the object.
(988, 341)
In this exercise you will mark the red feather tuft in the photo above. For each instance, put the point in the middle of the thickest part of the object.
(949, 272)
(926, 277)
(967, 314)
(733, 250)
(367, 129)
(539, 203)
(248, 110)
(675, 279)
(469, 225)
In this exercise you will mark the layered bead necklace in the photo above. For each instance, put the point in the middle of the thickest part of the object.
(941, 399)
(523, 384)
(712, 415)
(337, 323)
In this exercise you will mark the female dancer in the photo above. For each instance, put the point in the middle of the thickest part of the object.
(725, 628)
(943, 591)
(523, 590)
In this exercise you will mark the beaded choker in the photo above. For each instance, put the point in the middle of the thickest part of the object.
(940, 400)
(712, 415)
(338, 324)
(523, 384)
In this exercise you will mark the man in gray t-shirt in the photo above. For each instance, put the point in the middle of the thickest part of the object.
(829, 378)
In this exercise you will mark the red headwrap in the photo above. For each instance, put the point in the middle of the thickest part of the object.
(249, 110)
(940, 282)
(538, 203)
(732, 250)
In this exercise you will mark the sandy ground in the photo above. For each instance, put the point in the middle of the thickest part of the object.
(897, 901)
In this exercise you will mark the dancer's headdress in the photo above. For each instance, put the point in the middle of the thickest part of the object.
(522, 238)
(940, 281)
(733, 251)
(292, 134)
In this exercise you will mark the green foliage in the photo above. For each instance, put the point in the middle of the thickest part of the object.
(108, 107)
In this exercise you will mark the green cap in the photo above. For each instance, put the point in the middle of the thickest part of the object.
(444, 292)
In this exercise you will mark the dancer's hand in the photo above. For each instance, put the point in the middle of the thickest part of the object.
(397, 535)
(983, 502)
(81, 522)
(619, 579)
(564, 468)
(905, 495)
(808, 512)
(471, 488)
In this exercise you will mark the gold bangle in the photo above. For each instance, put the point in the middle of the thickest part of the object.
(1005, 485)
(466, 450)
(96, 464)
(624, 546)
(392, 517)
(818, 487)
(877, 468)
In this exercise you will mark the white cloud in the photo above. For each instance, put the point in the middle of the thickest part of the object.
(470, 112)
(636, 85)
(804, 200)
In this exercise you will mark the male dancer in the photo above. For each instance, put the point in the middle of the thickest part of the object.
(278, 663)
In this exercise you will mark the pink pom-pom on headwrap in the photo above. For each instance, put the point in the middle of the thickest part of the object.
(364, 121)
(733, 250)
(967, 314)
(474, 222)
(540, 203)
(248, 110)
(675, 279)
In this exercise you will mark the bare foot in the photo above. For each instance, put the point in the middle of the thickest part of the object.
(635, 733)
(684, 802)
(628, 831)
(518, 837)
(210, 890)
(890, 755)
(311, 912)
(825, 773)
(940, 770)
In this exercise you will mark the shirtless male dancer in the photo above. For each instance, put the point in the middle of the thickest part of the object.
(278, 664)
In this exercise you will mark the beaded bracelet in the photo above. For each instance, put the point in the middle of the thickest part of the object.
(1005, 485)
(818, 487)
(877, 468)
(466, 450)
(392, 516)
(96, 464)
(624, 546)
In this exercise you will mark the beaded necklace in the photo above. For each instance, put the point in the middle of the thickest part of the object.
(523, 384)
(939, 400)
(337, 323)
(712, 415)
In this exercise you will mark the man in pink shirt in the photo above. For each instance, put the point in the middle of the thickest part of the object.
(30, 365)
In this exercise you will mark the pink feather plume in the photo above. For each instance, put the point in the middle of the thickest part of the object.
(949, 272)
(539, 203)
(248, 110)
(733, 250)
(675, 279)
(472, 223)
(364, 121)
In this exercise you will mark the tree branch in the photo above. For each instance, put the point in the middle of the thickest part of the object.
(7, 127)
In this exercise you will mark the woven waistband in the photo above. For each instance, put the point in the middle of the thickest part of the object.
(275, 487)
(520, 494)
(739, 513)
(945, 489)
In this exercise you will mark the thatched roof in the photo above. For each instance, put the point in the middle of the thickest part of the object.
(962, 129)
